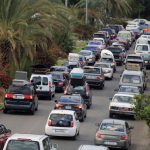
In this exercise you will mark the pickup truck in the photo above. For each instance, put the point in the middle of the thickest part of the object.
(4, 134)
(29, 142)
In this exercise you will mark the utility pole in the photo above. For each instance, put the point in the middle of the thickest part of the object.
(66, 3)
(86, 11)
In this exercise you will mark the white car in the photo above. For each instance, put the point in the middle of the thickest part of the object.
(107, 69)
(122, 104)
(92, 147)
(62, 123)
(29, 142)
(142, 48)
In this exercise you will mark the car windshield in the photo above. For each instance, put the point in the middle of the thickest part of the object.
(20, 90)
(92, 70)
(133, 57)
(37, 80)
(99, 35)
(22, 145)
(102, 65)
(112, 127)
(85, 53)
(115, 50)
(129, 89)
(123, 99)
(106, 60)
(61, 120)
(142, 48)
(91, 48)
(57, 76)
(72, 66)
(135, 79)
(57, 69)
(70, 99)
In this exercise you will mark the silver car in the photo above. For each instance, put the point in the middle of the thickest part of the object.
(113, 133)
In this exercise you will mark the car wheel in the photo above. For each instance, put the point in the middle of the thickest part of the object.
(74, 137)
(110, 115)
(33, 109)
(5, 111)
(36, 107)
(88, 106)
(82, 119)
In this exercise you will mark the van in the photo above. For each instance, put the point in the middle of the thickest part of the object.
(142, 49)
(45, 85)
(133, 78)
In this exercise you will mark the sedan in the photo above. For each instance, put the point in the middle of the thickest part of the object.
(72, 102)
(113, 133)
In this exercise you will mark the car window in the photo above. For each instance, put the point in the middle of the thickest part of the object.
(70, 99)
(115, 50)
(2, 129)
(61, 120)
(37, 80)
(46, 144)
(45, 81)
(106, 60)
(123, 99)
(85, 53)
(57, 76)
(135, 79)
(112, 127)
(142, 48)
(92, 70)
(72, 66)
(102, 65)
(129, 89)
(22, 145)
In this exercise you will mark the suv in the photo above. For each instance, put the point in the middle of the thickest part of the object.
(4, 135)
(21, 98)
(29, 142)
(94, 76)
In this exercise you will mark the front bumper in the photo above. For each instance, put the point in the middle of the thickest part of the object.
(127, 113)
(95, 82)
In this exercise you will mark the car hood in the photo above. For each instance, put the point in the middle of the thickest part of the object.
(118, 104)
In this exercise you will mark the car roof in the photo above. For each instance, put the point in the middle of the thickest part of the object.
(32, 137)
(113, 121)
(58, 111)
(92, 147)
(91, 67)
(130, 72)
(86, 51)
(134, 55)
(123, 94)
(128, 86)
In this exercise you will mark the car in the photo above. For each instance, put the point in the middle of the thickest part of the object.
(142, 48)
(72, 102)
(116, 27)
(134, 57)
(100, 40)
(45, 85)
(90, 57)
(128, 89)
(94, 76)
(98, 43)
(63, 123)
(122, 104)
(107, 69)
(21, 97)
(4, 135)
(114, 133)
(101, 35)
(134, 78)
(71, 65)
(29, 142)
(118, 53)
(60, 80)
(92, 147)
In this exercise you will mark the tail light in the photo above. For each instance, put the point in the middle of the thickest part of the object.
(50, 85)
(49, 122)
(123, 137)
(78, 106)
(61, 83)
(99, 78)
(98, 135)
(28, 97)
(8, 95)
(57, 106)
(71, 124)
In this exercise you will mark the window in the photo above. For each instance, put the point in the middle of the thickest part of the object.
(46, 144)
(123, 99)
(37, 80)
(2, 129)
(131, 79)
(45, 81)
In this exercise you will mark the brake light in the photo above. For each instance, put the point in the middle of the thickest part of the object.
(28, 97)
(123, 137)
(78, 106)
(99, 78)
(98, 135)
(8, 95)
(49, 122)
(61, 83)
(71, 124)
(57, 106)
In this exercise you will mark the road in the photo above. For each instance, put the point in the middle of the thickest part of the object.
(26, 123)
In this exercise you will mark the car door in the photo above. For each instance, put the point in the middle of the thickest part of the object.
(46, 85)
(84, 105)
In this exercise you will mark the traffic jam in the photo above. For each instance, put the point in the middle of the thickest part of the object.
(97, 63)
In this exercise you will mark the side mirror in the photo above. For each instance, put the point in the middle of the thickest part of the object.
(110, 98)
(55, 146)
(56, 101)
(97, 124)
(131, 127)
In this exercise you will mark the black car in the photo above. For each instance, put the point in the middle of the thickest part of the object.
(94, 76)
(60, 80)
(118, 53)
(21, 98)
(72, 102)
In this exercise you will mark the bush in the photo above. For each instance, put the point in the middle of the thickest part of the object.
(142, 108)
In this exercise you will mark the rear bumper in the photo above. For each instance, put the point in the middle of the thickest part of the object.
(127, 113)
(95, 82)
(43, 93)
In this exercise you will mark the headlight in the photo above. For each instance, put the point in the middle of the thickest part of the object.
(146, 62)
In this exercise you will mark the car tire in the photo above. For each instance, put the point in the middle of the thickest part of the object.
(36, 108)
(82, 119)
(74, 137)
(110, 115)
(5, 111)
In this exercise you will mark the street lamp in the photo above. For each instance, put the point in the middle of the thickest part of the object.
(86, 15)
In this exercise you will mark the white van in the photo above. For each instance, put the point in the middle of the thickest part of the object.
(45, 85)
(142, 49)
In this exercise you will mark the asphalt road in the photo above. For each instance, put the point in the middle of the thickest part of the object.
(26, 123)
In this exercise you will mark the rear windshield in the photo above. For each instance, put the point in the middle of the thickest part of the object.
(92, 70)
(70, 99)
(133, 57)
(72, 66)
(19, 90)
(108, 60)
(115, 50)
(57, 76)
(112, 127)
(22, 145)
(142, 48)
(102, 65)
(123, 99)
(90, 48)
(129, 89)
(99, 36)
(85, 53)
(37, 80)
(57, 69)
(131, 79)
(61, 120)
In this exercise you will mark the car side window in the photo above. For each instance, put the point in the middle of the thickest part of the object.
(45, 81)
(75, 116)
(46, 144)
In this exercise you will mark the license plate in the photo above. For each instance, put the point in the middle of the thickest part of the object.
(110, 143)
(124, 109)
(18, 97)
(67, 107)
(59, 130)
(90, 77)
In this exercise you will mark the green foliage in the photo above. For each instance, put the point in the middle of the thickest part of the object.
(142, 108)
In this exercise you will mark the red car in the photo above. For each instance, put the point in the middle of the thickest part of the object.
(4, 135)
